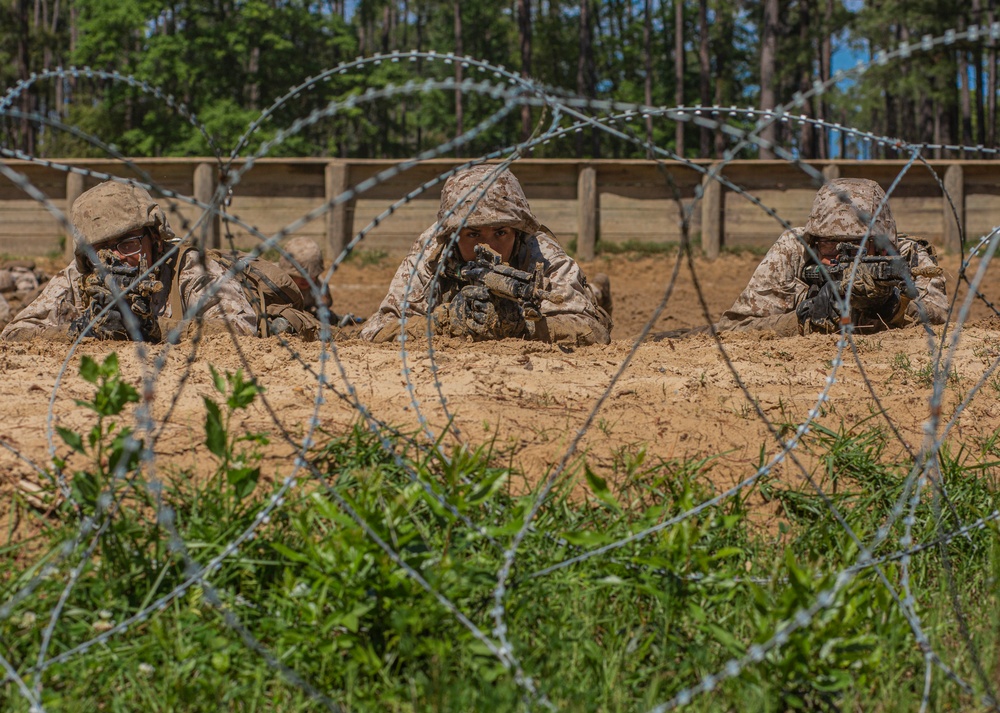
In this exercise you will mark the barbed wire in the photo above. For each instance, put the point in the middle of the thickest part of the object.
(567, 115)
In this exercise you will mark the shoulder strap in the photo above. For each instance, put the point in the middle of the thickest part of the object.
(259, 275)
(175, 300)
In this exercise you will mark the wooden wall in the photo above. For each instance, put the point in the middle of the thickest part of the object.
(612, 201)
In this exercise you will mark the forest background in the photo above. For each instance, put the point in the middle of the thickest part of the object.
(227, 60)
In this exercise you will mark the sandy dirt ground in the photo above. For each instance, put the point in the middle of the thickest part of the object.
(675, 399)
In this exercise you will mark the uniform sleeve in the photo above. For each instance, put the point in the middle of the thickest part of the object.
(217, 295)
(769, 299)
(576, 318)
(52, 311)
(930, 290)
(416, 271)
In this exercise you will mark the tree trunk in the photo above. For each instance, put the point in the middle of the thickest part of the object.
(585, 81)
(722, 73)
(420, 64)
(253, 69)
(679, 70)
(768, 57)
(647, 60)
(825, 58)
(460, 52)
(27, 142)
(936, 123)
(842, 135)
(807, 134)
(524, 29)
(386, 28)
(406, 25)
(704, 75)
(61, 82)
(965, 91)
(991, 82)
(911, 119)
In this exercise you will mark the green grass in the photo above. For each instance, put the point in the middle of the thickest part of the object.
(368, 257)
(620, 632)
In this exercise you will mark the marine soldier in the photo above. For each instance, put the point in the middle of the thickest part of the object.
(117, 288)
(844, 211)
(485, 206)
(19, 284)
(308, 256)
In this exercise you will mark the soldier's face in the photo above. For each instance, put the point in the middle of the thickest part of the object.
(826, 250)
(500, 239)
(132, 246)
(306, 289)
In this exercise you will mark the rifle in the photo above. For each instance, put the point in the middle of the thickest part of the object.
(526, 289)
(97, 291)
(882, 272)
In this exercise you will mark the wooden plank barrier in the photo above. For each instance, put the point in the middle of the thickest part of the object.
(74, 187)
(586, 210)
(711, 212)
(597, 202)
(954, 185)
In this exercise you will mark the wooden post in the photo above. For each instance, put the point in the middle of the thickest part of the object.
(74, 187)
(204, 190)
(954, 186)
(339, 219)
(587, 207)
(831, 171)
(711, 216)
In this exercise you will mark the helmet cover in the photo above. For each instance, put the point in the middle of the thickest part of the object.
(844, 208)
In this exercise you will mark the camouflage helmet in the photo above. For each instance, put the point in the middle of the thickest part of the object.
(108, 211)
(843, 208)
(306, 253)
(479, 197)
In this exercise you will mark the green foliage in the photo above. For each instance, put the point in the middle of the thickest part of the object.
(240, 466)
(112, 451)
(373, 257)
(329, 584)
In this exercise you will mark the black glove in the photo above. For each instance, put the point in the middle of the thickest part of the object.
(888, 310)
(818, 312)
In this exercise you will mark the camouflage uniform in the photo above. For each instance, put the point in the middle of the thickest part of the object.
(20, 277)
(60, 301)
(309, 258)
(113, 209)
(19, 282)
(841, 209)
(577, 319)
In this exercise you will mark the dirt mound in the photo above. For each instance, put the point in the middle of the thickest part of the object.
(676, 399)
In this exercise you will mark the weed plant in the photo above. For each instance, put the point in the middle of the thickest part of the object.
(347, 625)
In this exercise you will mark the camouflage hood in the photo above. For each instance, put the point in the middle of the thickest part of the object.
(306, 253)
(478, 197)
(844, 207)
(109, 210)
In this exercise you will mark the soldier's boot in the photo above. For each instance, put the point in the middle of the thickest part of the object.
(600, 285)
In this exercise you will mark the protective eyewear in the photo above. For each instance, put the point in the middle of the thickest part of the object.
(129, 245)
